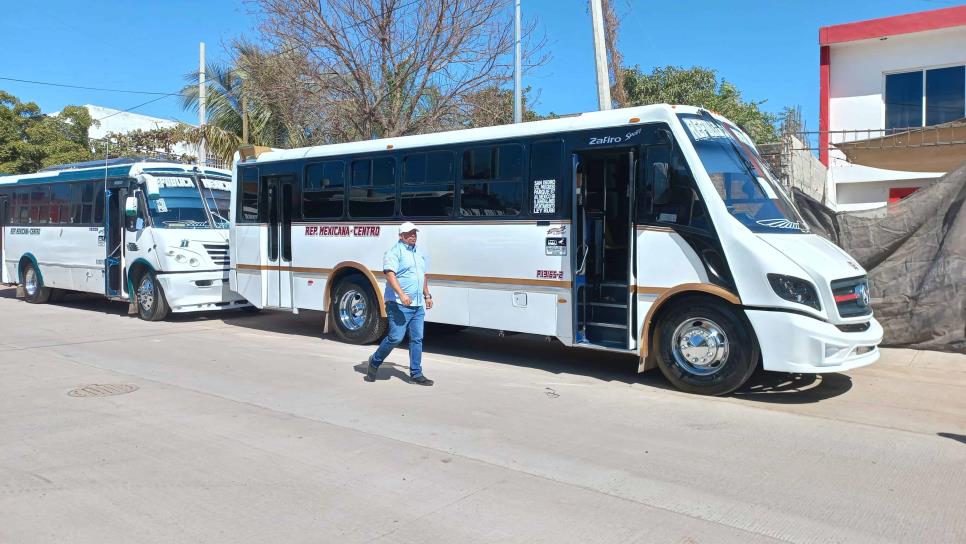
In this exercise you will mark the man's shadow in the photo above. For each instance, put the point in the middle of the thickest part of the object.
(386, 371)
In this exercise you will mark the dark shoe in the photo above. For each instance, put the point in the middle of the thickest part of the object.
(421, 380)
(371, 372)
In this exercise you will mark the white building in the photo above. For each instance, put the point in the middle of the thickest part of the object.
(122, 122)
(882, 82)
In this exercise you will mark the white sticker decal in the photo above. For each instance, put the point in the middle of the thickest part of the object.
(160, 204)
(702, 129)
(544, 196)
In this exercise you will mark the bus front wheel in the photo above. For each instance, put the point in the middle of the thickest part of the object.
(355, 312)
(706, 348)
(149, 297)
(33, 285)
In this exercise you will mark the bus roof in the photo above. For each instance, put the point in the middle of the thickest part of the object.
(583, 121)
(112, 168)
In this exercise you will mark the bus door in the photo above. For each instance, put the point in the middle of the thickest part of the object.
(110, 206)
(280, 196)
(4, 220)
(604, 267)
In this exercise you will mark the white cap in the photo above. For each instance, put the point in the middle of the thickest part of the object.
(406, 227)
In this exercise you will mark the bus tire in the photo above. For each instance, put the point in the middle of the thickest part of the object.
(149, 298)
(355, 312)
(706, 348)
(33, 285)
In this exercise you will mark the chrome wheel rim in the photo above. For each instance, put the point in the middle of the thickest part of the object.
(145, 293)
(700, 346)
(30, 281)
(353, 310)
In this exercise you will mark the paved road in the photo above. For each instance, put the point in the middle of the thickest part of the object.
(254, 428)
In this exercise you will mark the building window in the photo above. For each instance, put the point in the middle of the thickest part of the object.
(925, 97)
(945, 94)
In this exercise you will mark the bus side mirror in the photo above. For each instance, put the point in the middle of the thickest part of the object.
(130, 213)
(660, 184)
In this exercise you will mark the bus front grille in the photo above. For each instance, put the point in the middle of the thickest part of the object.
(218, 253)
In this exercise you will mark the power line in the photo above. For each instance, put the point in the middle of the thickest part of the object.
(69, 86)
(138, 106)
(179, 93)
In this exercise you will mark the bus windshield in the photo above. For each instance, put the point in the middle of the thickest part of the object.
(740, 176)
(180, 204)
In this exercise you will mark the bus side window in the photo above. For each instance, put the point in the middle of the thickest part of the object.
(323, 190)
(428, 187)
(492, 181)
(40, 205)
(99, 204)
(545, 178)
(373, 192)
(22, 215)
(667, 192)
(248, 209)
(87, 203)
(59, 203)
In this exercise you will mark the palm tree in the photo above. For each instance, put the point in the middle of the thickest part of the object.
(234, 113)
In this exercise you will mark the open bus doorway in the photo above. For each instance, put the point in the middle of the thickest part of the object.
(113, 238)
(4, 220)
(604, 269)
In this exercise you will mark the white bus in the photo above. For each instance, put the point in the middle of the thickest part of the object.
(154, 234)
(655, 231)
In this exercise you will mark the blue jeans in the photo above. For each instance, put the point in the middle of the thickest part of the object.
(402, 318)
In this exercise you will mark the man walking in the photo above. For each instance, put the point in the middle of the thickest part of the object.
(407, 299)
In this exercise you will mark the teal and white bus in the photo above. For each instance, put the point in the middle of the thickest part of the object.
(154, 234)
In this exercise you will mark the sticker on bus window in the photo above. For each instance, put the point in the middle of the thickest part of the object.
(544, 196)
(161, 205)
(702, 129)
(668, 217)
(216, 184)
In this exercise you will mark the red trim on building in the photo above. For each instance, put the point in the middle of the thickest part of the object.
(893, 26)
(898, 193)
(825, 73)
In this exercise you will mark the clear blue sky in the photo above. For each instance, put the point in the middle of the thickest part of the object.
(768, 48)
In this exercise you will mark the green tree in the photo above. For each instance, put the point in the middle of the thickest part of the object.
(494, 106)
(699, 86)
(31, 140)
(237, 111)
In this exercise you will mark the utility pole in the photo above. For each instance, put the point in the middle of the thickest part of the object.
(202, 96)
(517, 85)
(600, 56)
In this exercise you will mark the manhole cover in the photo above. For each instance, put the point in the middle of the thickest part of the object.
(103, 390)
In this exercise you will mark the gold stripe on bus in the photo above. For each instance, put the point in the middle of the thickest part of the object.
(438, 277)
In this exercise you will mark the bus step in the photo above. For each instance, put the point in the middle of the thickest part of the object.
(606, 325)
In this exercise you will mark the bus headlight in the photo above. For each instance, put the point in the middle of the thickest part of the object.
(180, 258)
(194, 262)
(795, 290)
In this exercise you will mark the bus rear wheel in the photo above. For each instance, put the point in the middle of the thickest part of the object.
(149, 298)
(355, 312)
(706, 348)
(33, 285)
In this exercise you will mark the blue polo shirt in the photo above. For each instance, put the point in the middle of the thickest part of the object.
(410, 268)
